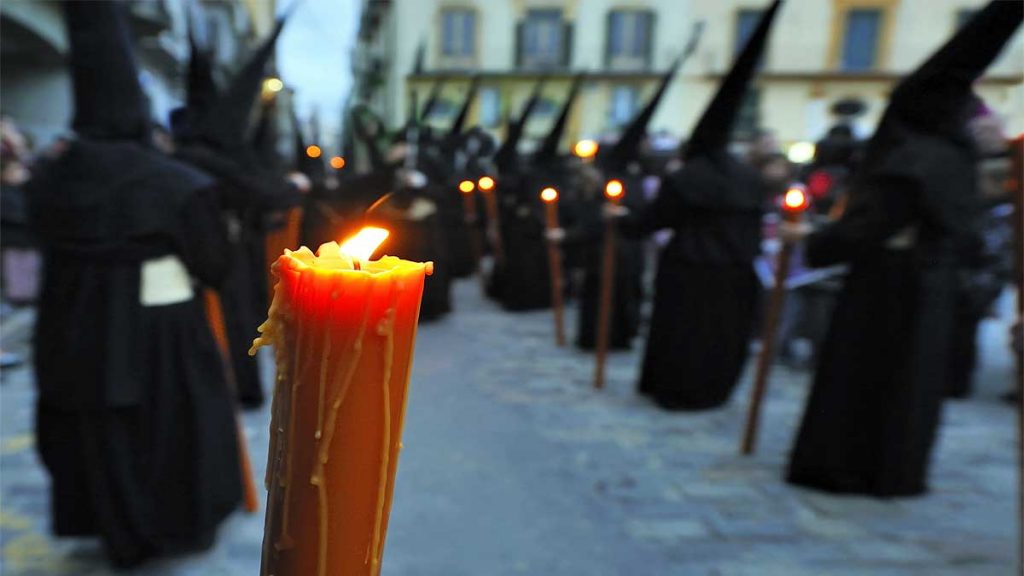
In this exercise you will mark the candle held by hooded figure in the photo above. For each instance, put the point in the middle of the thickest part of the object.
(706, 289)
(874, 407)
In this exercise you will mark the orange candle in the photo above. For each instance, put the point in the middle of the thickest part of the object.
(343, 329)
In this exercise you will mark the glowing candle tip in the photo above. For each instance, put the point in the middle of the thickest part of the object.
(364, 243)
(549, 194)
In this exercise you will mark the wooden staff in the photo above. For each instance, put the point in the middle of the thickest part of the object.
(486, 186)
(1015, 185)
(467, 188)
(794, 203)
(613, 191)
(550, 197)
(215, 318)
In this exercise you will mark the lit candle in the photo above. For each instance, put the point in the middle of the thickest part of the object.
(613, 192)
(794, 203)
(550, 198)
(343, 330)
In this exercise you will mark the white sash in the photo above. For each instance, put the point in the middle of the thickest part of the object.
(165, 280)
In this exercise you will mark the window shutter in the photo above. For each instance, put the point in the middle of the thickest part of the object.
(649, 39)
(608, 39)
(567, 31)
(519, 44)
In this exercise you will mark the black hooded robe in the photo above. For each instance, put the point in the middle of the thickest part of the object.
(706, 291)
(135, 421)
(627, 291)
(875, 405)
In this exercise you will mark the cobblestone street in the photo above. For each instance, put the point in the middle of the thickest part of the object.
(514, 465)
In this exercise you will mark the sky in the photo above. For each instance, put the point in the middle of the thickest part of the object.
(313, 58)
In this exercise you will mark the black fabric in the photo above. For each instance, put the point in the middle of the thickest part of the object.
(871, 419)
(109, 102)
(627, 289)
(134, 422)
(714, 129)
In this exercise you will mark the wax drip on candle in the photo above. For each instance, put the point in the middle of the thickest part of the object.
(386, 329)
(319, 477)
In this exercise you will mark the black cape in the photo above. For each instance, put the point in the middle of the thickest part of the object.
(874, 408)
(706, 291)
(135, 421)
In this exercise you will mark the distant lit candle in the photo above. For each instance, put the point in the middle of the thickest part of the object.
(550, 198)
(343, 329)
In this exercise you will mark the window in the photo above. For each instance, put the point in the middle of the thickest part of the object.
(458, 35)
(543, 39)
(629, 39)
(490, 107)
(861, 33)
(623, 105)
(746, 21)
(748, 116)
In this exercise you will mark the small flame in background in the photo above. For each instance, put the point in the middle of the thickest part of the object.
(364, 243)
(486, 183)
(549, 194)
(614, 189)
(466, 186)
(313, 151)
(795, 200)
(585, 149)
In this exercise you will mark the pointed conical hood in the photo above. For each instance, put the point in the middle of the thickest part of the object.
(109, 102)
(433, 97)
(311, 167)
(937, 95)
(226, 121)
(201, 89)
(460, 119)
(625, 148)
(265, 137)
(549, 147)
(507, 152)
(714, 129)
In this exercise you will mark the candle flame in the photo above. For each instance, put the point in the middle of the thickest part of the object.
(337, 162)
(364, 243)
(466, 186)
(614, 189)
(585, 148)
(795, 200)
(549, 194)
(486, 183)
(313, 151)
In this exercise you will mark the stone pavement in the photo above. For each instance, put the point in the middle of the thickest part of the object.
(514, 465)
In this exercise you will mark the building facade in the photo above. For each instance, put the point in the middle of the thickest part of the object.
(33, 45)
(820, 51)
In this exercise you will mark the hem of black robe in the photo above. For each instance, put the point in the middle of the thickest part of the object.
(849, 483)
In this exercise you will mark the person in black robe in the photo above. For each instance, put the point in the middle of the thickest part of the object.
(134, 420)
(706, 291)
(450, 203)
(620, 161)
(211, 136)
(874, 408)
(522, 279)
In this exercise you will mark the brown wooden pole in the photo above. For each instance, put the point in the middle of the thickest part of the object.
(215, 318)
(486, 187)
(769, 332)
(613, 192)
(469, 215)
(555, 262)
